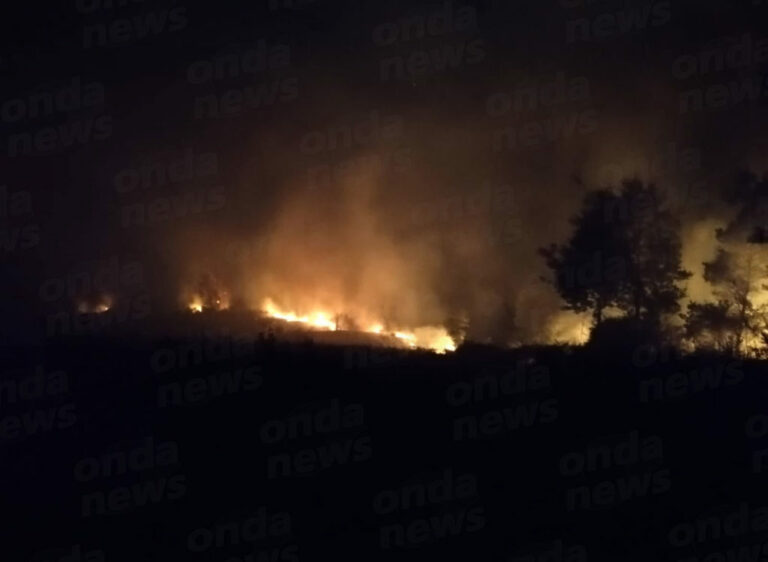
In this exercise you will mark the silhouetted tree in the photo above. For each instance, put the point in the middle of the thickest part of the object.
(625, 252)
(711, 326)
(653, 254)
(735, 319)
(588, 269)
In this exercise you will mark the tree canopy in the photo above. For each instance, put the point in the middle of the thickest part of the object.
(736, 321)
(624, 253)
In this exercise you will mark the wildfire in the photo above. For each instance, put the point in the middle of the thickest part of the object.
(316, 319)
(196, 305)
(409, 339)
(569, 328)
(427, 337)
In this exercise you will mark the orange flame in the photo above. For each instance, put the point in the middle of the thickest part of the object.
(426, 337)
(196, 305)
(316, 319)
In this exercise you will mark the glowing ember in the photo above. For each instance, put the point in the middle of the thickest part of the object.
(89, 308)
(196, 305)
(427, 337)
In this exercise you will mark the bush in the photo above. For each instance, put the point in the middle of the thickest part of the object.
(623, 335)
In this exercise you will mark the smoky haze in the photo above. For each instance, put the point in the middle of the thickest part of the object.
(420, 200)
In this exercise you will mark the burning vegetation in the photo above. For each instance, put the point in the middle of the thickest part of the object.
(422, 268)
(208, 295)
(434, 338)
(620, 274)
(623, 265)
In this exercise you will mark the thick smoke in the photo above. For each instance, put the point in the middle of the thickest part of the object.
(451, 239)
(423, 201)
(358, 249)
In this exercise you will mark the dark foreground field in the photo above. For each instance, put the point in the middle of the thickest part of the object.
(257, 450)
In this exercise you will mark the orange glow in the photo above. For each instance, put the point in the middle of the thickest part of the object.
(409, 339)
(104, 304)
(196, 305)
(319, 320)
(425, 337)
(434, 338)
(569, 328)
